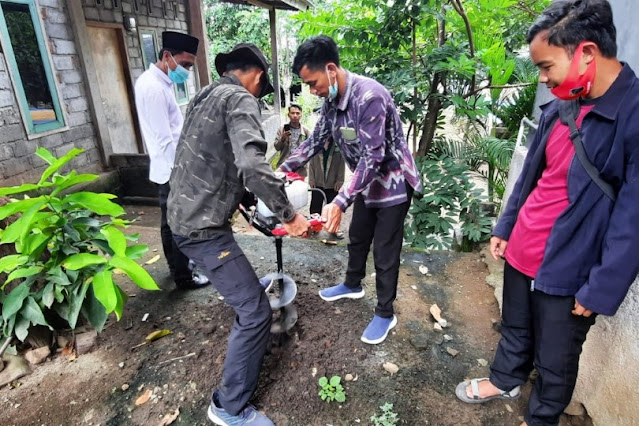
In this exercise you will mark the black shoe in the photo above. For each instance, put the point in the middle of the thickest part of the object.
(191, 284)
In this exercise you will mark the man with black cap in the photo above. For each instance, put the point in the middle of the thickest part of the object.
(221, 152)
(161, 124)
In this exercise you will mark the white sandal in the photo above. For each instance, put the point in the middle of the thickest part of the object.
(460, 391)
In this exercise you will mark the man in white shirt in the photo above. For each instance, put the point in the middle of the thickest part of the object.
(161, 124)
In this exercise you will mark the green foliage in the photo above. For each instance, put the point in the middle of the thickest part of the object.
(377, 39)
(67, 249)
(488, 156)
(331, 390)
(449, 198)
(388, 417)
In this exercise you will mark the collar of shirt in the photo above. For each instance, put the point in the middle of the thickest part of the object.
(159, 74)
(343, 102)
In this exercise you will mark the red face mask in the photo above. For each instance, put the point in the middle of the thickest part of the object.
(576, 85)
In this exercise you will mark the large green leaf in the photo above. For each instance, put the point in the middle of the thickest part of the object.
(25, 187)
(28, 218)
(122, 298)
(45, 154)
(22, 273)
(137, 273)
(21, 329)
(98, 203)
(31, 311)
(93, 310)
(80, 260)
(116, 239)
(104, 289)
(14, 300)
(18, 206)
(70, 308)
(136, 251)
(35, 244)
(12, 261)
(57, 164)
(48, 295)
(73, 179)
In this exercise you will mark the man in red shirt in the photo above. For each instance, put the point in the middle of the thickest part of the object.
(569, 244)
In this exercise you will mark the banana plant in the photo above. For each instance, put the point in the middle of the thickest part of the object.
(68, 246)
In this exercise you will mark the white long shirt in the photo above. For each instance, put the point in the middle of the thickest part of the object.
(160, 121)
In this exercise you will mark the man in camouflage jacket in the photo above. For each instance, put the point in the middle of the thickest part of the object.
(220, 152)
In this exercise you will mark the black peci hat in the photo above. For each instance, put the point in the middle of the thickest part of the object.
(246, 53)
(180, 42)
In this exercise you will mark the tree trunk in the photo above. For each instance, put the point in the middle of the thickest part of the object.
(432, 113)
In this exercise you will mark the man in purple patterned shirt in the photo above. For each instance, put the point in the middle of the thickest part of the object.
(360, 116)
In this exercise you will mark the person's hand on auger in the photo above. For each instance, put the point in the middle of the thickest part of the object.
(298, 226)
(333, 215)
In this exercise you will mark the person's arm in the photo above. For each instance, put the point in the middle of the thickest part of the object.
(281, 141)
(371, 134)
(155, 115)
(310, 147)
(245, 133)
(609, 281)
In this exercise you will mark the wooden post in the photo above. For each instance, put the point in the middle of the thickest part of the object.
(198, 29)
(276, 72)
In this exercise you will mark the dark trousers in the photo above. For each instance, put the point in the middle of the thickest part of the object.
(317, 200)
(227, 268)
(538, 329)
(178, 262)
(384, 227)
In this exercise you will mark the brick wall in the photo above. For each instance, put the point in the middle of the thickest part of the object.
(157, 19)
(18, 163)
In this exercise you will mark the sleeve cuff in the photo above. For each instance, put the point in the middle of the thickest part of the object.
(341, 201)
(287, 214)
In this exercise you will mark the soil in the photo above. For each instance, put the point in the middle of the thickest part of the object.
(325, 342)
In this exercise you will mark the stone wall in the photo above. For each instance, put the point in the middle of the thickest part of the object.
(18, 163)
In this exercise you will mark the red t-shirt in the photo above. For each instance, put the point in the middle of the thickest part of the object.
(527, 243)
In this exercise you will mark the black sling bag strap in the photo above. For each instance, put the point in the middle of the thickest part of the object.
(568, 112)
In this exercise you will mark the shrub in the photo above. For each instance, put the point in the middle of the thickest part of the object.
(67, 249)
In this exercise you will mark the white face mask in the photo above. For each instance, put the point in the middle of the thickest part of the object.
(333, 88)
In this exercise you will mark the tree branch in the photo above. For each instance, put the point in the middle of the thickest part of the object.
(459, 8)
(490, 86)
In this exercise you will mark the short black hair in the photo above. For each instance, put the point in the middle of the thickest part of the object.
(570, 22)
(173, 52)
(315, 53)
(294, 106)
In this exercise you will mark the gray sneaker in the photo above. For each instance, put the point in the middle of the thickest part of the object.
(248, 416)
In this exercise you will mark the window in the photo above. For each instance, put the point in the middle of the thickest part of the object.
(26, 55)
(148, 45)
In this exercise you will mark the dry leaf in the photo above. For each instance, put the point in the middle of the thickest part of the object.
(72, 357)
(157, 334)
(144, 397)
(169, 418)
(118, 271)
(329, 242)
(68, 349)
(153, 259)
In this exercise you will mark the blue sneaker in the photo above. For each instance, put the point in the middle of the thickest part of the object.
(340, 291)
(378, 329)
(266, 283)
(248, 416)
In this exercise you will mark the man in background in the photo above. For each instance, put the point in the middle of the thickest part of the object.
(291, 135)
(161, 124)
